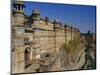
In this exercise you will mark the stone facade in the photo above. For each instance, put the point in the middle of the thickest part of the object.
(33, 36)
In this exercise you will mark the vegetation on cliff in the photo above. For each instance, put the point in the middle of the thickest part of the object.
(72, 45)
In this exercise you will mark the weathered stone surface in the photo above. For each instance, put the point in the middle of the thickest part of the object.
(39, 37)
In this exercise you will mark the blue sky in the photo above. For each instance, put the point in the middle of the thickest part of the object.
(82, 17)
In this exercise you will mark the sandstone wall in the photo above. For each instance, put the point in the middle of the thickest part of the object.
(40, 37)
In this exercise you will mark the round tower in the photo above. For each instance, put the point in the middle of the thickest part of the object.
(36, 15)
(18, 60)
(18, 6)
(18, 12)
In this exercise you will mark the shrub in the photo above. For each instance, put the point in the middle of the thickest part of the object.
(72, 45)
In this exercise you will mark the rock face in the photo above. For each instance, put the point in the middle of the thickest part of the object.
(90, 57)
(70, 63)
(90, 51)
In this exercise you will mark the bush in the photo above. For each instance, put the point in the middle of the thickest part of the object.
(72, 45)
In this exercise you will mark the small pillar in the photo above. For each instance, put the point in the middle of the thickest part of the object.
(65, 33)
(46, 20)
(71, 32)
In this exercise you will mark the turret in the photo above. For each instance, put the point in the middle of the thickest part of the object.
(18, 7)
(35, 15)
(18, 63)
(18, 12)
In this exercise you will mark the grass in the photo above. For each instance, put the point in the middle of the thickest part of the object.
(71, 48)
(72, 45)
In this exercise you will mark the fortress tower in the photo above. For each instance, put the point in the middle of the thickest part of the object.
(18, 37)
(36, 15)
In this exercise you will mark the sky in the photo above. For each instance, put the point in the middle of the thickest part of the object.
(79, 16)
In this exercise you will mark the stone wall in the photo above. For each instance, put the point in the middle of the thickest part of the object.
(42, 38)
(33, 37)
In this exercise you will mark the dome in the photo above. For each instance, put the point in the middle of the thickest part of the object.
(35, 12)
(18, 3)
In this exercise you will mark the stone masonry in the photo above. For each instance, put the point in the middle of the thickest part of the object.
(33, 37)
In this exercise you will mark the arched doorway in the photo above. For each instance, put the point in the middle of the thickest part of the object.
(28, 57)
